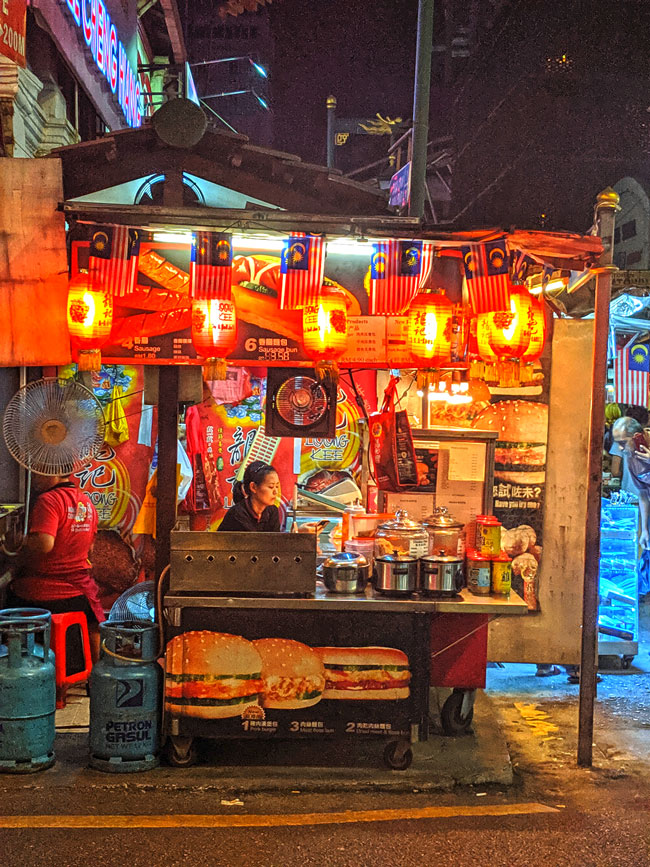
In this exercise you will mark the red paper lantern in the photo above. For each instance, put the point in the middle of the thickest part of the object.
(325, 331)
(90, 319)
(537, 318)
(506, 332)
(432, 334)
(214, 334)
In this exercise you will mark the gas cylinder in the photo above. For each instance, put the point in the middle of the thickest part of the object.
(27, 695)
(125, 699)
(31, 614)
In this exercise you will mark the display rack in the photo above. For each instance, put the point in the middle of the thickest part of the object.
(618, 611)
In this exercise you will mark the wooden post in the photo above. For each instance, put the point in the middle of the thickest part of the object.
(167, 460)
(606, 207)
(167, 418)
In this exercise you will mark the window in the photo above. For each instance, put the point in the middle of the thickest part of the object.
(628, 230)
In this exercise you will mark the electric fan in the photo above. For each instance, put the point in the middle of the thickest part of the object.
(136, 603)
(298, 405)
(52, 424)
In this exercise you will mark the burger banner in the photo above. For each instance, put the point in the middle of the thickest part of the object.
(262, 686)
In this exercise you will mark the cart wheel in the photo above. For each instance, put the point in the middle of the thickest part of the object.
(180, 752)
(451, 715)
(398, 755)
(626, 661)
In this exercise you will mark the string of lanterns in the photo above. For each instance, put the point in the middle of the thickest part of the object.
(497, 346)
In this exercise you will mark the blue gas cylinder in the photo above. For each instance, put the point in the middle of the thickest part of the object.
(125, 699)
(27, 695)
(31, 614)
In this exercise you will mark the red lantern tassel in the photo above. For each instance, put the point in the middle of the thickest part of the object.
(215, 368)
(89, 359)
(327, 371)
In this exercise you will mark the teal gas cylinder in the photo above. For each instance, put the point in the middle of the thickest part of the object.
(27, 694)
(30, 614)
(125, 699)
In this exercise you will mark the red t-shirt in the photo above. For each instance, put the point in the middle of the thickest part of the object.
(67, 514)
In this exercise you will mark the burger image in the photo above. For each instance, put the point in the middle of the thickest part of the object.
(211, 675)
(293, 675)
(368, 673)
(522, 428)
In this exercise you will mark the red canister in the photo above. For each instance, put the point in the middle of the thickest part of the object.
(488, 536)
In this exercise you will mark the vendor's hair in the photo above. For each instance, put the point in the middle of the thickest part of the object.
(255, 472)
(627, 425)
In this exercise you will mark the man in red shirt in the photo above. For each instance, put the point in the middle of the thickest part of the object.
(54, 569)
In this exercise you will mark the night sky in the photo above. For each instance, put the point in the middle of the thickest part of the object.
(362, 51)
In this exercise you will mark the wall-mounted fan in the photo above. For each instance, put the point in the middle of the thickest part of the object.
(298, 405)
(50, 425)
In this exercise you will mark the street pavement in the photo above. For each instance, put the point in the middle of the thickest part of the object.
(546, 811)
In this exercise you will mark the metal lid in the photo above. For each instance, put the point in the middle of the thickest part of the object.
(397, 557)
(401, 522)
(344, 560)
(440, 558)
(442, 520)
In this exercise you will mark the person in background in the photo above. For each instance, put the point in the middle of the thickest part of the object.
(53, 571)
(612, 412)
(620, 455)
(254, 509)
(637, 462)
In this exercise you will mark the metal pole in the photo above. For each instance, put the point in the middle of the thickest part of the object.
(421, 94)
(331, 134)
(606, 207)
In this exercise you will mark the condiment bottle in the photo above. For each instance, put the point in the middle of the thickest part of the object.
(488, 536)
(478, 574)
(501, 575)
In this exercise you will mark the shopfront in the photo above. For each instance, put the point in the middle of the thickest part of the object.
(304, 346)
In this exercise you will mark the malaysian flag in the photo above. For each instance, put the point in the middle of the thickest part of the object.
(487, 276)
(398, 271)
(521, 263)
(211, 266)
(301, 270)
(631, 374)
(113, 259)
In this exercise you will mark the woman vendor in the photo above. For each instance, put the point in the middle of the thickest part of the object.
(254, 509)
(53, 571)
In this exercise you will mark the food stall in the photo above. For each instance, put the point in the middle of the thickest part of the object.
(281, 401)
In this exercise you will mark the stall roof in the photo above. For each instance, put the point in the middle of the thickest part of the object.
(223, 158)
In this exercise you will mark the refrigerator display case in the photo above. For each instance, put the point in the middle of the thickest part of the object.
(618, 611)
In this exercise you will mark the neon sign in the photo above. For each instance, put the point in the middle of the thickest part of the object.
(109, 54)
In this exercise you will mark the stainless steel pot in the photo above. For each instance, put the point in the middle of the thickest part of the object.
(441, 576)
(346, 573)
(396, 574)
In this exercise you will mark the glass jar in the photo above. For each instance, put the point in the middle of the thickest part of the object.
(401, 534)
(445, 533)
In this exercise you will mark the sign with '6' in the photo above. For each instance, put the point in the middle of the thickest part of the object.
(12, 29)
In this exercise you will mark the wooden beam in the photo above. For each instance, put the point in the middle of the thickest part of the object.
(174, 29)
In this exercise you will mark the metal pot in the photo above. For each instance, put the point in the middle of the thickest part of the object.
(444, 533)
(346, 573)
(441, 576)
(396, 574)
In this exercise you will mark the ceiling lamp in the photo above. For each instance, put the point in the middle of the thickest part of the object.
(325, 331)
(90, 319)
(214, 334)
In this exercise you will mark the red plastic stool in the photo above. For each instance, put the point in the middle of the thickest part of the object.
(71, 646)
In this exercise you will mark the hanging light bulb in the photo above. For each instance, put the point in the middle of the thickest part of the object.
(90, 319)
(325, 332)
(214, 334)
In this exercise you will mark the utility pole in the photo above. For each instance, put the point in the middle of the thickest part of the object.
(331, 132)
(606, 207)
(421, 96)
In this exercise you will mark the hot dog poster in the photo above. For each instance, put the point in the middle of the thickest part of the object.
(218, 676)
(152, 324)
